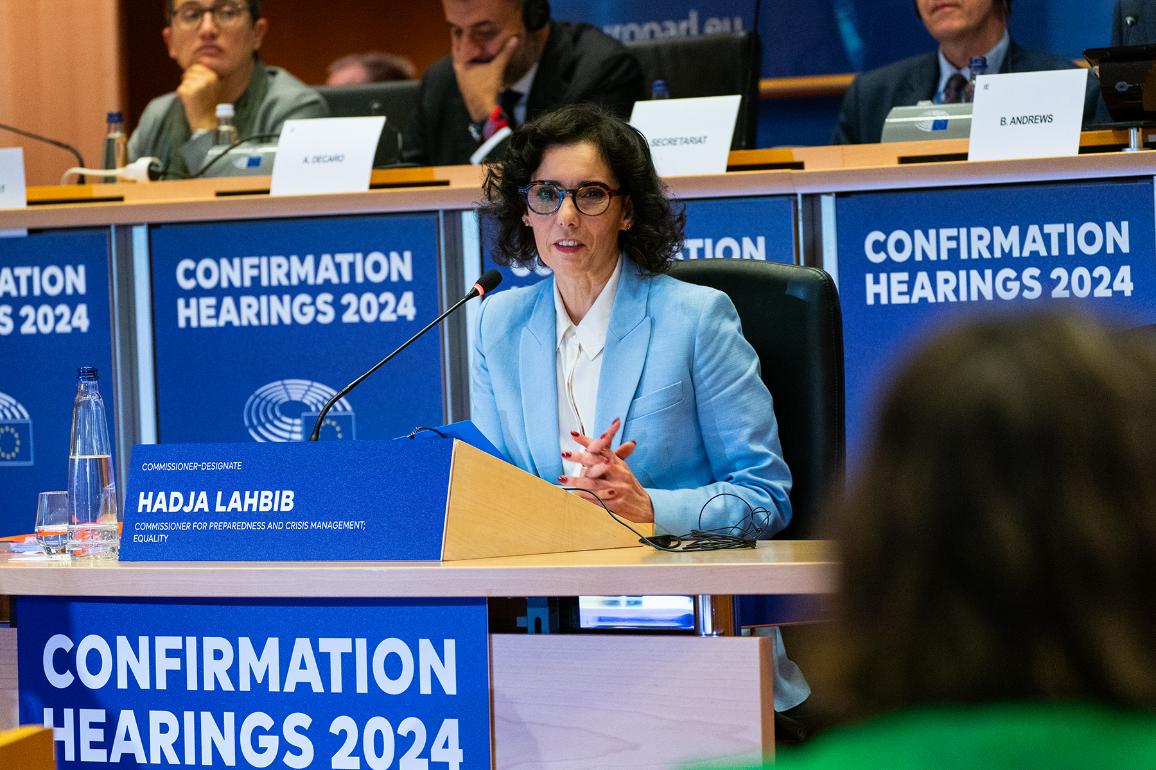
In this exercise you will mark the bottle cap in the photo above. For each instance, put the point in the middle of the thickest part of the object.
(116, 117)
(659, 90)
(225, 111)
(978, 65)
(86, 373)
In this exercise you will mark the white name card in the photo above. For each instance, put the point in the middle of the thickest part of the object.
(325, 155)
(688, 136)
(12, 190)
(1027, 115)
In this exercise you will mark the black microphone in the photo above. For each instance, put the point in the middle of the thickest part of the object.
(54, 142)
(483, 286)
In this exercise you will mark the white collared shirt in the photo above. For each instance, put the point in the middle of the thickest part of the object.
(579, 365)
(994, 58)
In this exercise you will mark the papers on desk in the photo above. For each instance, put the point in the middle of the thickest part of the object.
(12, 192)
(688, 136)
(1027, 115)
(325, 155)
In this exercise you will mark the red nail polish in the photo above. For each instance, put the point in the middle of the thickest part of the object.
(573, 433)
(565, 454)
(561, 479)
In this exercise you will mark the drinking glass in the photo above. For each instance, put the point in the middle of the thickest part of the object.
(52, 524)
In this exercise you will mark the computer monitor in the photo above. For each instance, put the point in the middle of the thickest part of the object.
(927, 121)
(1127, 77)
(397, 100)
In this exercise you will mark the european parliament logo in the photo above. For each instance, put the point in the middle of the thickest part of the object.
(15, 433)
(285, 410)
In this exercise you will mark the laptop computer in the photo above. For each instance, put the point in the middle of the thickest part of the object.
(1127, 81)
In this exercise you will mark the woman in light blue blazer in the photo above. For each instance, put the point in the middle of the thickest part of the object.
(610, 376)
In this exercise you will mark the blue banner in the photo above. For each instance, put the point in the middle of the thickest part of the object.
(329, 501)
(257, 683)
(54, 317)
(797, 38)
(258, 324)
(833, 36)
(716, 228)
(910, 262)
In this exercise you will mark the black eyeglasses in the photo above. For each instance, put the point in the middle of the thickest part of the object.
(591, 198)
(189, 15)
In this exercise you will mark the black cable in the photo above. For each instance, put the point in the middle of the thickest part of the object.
(80, 178)
(421, 428)
(696, 539)
(166, 174)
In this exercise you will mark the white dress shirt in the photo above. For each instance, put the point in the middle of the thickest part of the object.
(579, 366)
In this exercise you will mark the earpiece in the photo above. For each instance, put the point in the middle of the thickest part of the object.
(535, 14)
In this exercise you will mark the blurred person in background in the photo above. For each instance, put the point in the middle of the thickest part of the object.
(998, 599)
(509, 63)
(962, 29)
(216, 46)
(370, 67)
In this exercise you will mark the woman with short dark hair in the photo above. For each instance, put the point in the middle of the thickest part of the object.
(610, 350)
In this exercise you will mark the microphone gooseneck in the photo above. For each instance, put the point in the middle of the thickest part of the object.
(489, 280)
(47, 140)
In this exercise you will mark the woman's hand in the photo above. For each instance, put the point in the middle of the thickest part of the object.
(605, 473)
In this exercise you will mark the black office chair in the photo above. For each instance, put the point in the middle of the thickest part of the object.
(709, 65)
(397, 100)
(791, 316)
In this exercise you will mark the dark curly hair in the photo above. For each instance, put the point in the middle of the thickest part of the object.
(656, 235)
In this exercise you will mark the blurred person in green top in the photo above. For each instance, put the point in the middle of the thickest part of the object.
(998, 601)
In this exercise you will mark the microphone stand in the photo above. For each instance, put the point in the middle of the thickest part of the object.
(344, 391)
(54, 142)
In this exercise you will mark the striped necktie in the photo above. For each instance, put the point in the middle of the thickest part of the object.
(953, 91)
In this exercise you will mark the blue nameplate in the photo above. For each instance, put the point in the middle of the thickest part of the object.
(258, 682)
(327, 501)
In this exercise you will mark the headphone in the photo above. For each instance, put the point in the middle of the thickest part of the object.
(535, 14)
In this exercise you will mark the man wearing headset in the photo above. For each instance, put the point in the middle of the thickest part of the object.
(963, 29)
(509, 63)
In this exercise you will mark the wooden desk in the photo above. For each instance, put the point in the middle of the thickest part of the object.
(559, 700)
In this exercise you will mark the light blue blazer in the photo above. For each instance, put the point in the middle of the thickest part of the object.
(677, 370)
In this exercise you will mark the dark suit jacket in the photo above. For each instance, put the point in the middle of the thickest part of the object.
(906, 82)
(579, 64)
(1134, 22)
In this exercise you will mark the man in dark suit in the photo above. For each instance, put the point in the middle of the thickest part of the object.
(1134, 22)
(963, 28)
(509, 63)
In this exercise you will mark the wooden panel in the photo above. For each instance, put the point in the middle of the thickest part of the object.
(497, 509)
(27, 748)
(582, 701)
(59, 76)
(775, 567)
